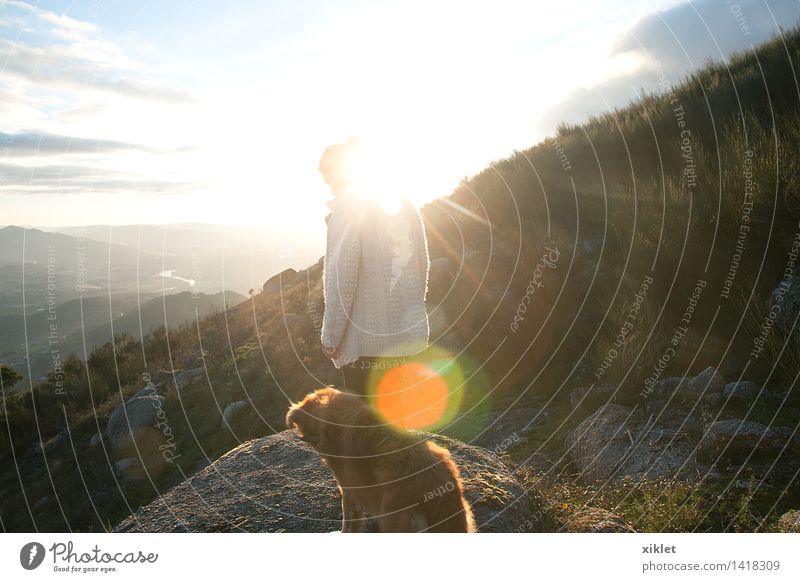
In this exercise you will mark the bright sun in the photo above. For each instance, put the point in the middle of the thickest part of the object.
(388, 170)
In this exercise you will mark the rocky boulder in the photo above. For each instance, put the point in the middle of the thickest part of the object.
(595, 520)
(241, 419)
(231, 412)
(146, 391)
(617, 442)
(709, 381)
(742, 391)
(789, 522)
(279, 483)
(737, 438)
(679, 391)
(280, 281)
(132, 426)
(96, 441)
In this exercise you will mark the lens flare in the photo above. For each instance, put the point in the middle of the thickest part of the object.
(411, 396)
(424, 393)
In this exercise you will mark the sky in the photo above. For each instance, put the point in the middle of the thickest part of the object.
(126, 112)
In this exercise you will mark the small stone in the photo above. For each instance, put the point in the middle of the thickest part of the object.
(709, 381)
(742, 391)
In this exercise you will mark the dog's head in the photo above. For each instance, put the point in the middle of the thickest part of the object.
(326, 419)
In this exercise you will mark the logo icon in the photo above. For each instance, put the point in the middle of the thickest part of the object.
(31, 555)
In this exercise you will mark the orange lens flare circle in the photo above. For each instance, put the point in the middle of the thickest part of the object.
(411, 396)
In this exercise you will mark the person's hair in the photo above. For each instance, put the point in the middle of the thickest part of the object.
(337, 156)
(332, 157)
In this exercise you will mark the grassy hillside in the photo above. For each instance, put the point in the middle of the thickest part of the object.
(627, 213)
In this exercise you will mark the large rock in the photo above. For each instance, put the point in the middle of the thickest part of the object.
(617, 442)
(146, 391)
(279, 483)
(240, 418)
(595, 520)
(185, 377)
(737, 438)
(742, 391)
(709, 381)
(681, 391)
(789, 522)
(278, 282)
(132, 427)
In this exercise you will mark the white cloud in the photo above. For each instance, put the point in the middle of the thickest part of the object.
(80, 114)
(680, 39)
(447, 86)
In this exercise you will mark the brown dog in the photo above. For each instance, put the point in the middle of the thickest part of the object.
(407, 484)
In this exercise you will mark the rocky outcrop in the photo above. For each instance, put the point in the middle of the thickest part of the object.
(667, 438)
(185, 377)
(737, 438)
(708, 385)
(131, 427)
(232, 413)
(138, 436)
(707, 382)
(279, 484)
(595, 520)
(789, 522)
(742, 391)
(617, 442)
(277, 282)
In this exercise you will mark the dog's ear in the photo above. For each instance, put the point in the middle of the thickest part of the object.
(308, 428)
(290, 416)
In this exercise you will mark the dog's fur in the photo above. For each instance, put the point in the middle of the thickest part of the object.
(406, 483)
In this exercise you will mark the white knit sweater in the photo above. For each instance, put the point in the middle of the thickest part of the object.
(375, 281)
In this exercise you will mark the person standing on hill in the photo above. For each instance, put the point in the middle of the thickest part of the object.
(375, 277)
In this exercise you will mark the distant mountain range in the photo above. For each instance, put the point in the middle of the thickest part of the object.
(20, 245)
(102, 260)
(91, 322)
(137, 276)
(188, 238)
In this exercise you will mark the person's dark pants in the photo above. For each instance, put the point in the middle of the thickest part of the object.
(362, 376)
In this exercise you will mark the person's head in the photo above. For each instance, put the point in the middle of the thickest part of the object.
(336, 165)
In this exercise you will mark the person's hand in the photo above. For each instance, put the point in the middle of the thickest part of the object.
(330, 352)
